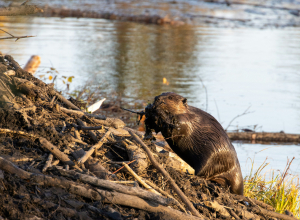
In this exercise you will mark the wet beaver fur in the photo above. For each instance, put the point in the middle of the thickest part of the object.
(196, 137)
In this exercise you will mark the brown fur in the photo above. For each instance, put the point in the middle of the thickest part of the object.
(196, 137)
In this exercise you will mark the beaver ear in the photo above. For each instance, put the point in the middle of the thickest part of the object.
(184, 101)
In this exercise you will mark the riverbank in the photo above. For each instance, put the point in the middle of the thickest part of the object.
(232, 14)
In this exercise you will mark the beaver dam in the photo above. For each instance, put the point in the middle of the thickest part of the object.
(60, 162)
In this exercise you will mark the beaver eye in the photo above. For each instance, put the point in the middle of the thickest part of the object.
(170, 97)
(184, 101)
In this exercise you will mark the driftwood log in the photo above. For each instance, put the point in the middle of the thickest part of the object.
(264, 136)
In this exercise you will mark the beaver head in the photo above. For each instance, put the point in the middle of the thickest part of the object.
(161, 115)
(196, 137)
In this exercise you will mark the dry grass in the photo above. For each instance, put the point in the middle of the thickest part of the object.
(280, 190)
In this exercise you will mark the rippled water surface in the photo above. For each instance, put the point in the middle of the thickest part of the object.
(223, 71)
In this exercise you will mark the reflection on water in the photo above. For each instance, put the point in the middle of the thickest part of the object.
(277, 156)
(238, 67)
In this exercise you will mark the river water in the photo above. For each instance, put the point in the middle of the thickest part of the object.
(222, 71)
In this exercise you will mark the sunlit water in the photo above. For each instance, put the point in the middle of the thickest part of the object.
(239, 68)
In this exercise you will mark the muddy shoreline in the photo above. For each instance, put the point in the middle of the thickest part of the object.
(232, 14)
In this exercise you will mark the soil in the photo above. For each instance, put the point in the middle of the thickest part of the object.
(32, 110)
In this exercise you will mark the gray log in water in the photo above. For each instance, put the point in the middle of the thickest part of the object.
(264, 136)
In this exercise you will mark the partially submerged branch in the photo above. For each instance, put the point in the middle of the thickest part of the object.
(12, 36)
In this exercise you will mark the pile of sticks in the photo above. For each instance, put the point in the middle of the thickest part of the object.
(49, 143)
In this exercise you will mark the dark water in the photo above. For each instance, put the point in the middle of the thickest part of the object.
(223, 71)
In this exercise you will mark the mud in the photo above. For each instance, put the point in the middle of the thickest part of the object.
(34, 111)
(258, 14)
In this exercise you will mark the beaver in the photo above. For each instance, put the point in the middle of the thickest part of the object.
(196, 137)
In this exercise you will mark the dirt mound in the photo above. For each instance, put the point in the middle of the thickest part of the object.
(59, 162)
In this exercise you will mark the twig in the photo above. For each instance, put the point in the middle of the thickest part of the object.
(165, 194)
(13, 37)
(95, 147)
(64, 100)
(48, 162)
(167, 176)
(139, 179)
(124, 182)
(122, 167)
(217, 111)
(139, 113)
(244, 113)
(64, 127)
(52, 100)
(233, 214)
(205, 93)
(55, 163)
(91, 133)
(55, 151)
(77, 135)
(285, 172)
(79, 127)
(119, 162)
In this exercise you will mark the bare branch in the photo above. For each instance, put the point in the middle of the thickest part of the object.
(13, 37)
(244, 113)
(205, 94)
(139, 113)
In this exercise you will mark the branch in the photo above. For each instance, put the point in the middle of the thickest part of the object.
(13, 37)
(244, 113)
(95, 147)
(205, 93)
(183, 197)
(139, 113)
(139, 179)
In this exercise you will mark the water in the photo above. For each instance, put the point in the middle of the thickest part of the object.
(223, 71)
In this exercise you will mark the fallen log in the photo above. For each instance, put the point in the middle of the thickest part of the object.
(264, 136)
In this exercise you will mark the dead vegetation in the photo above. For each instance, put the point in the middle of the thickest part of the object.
(59, 162)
